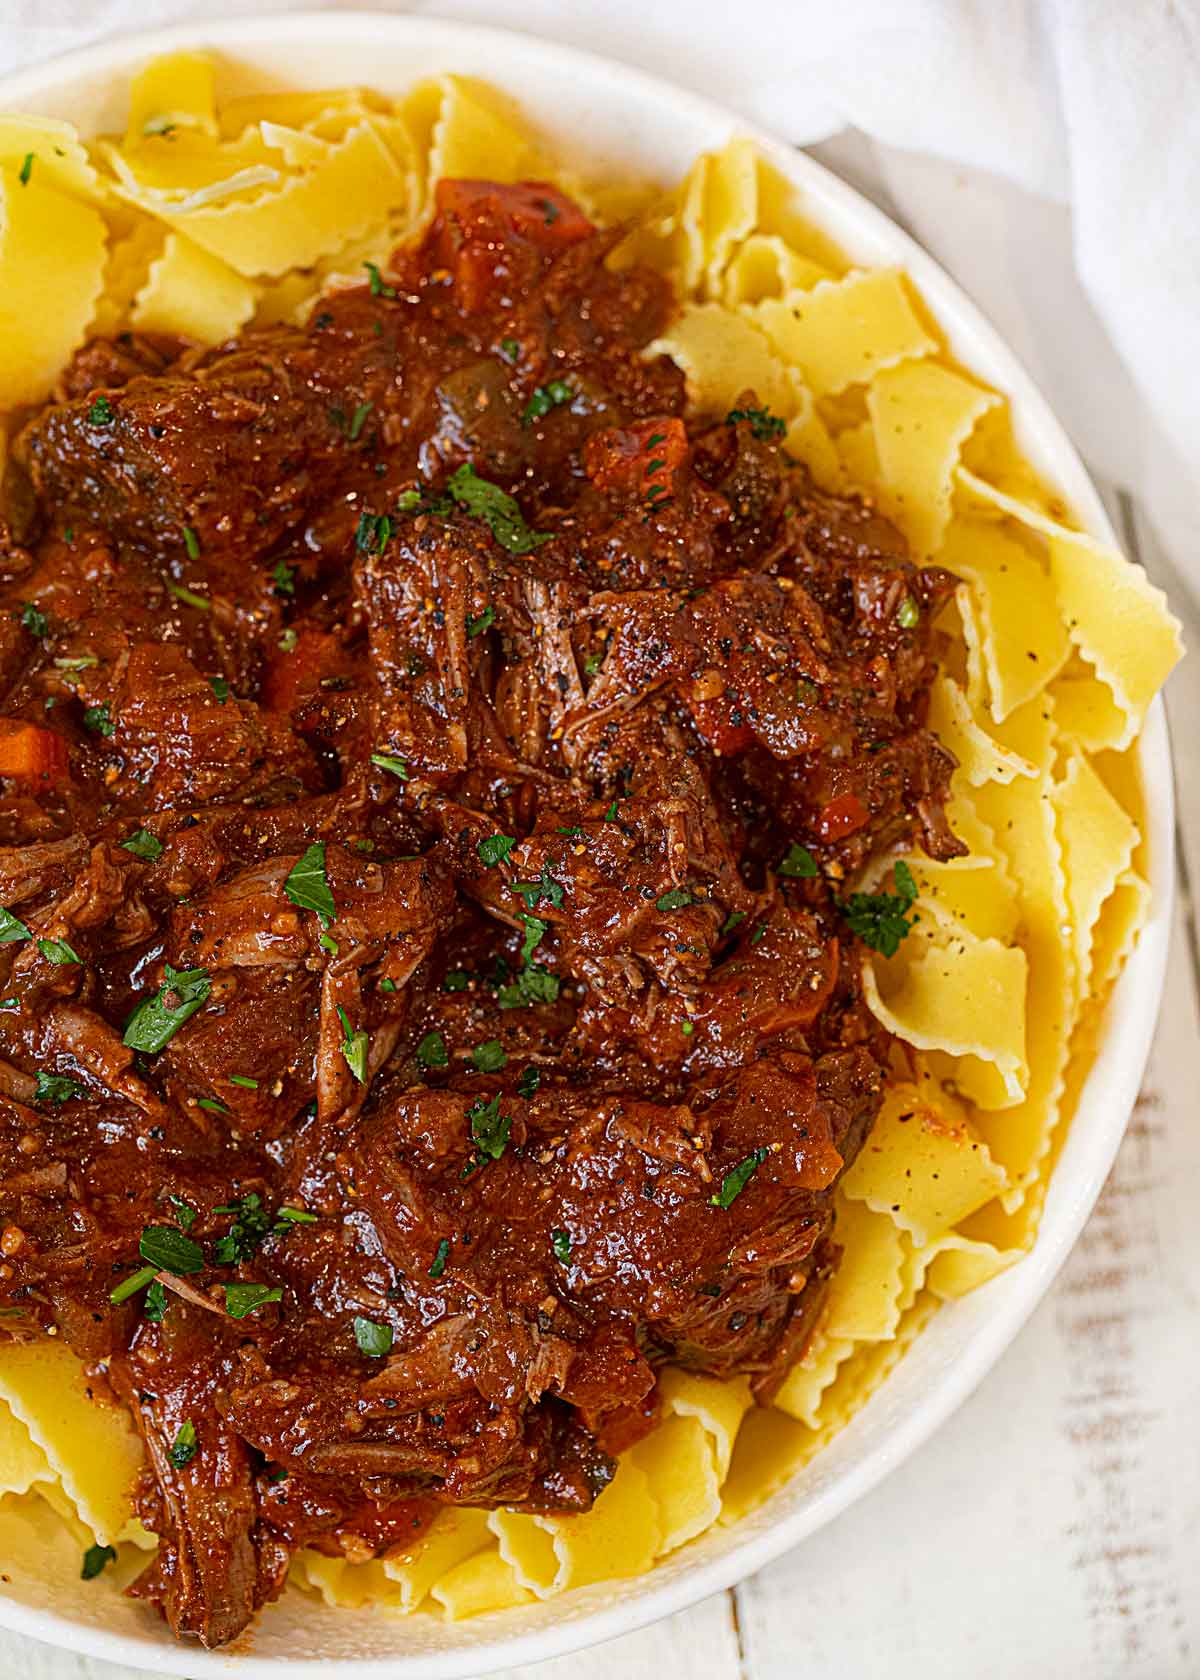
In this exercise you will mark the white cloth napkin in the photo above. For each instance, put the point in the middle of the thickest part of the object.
(1065, 195)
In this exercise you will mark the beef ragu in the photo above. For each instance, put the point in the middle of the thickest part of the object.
(437, 770)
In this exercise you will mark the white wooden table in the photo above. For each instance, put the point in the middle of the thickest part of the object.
(1052, 1529)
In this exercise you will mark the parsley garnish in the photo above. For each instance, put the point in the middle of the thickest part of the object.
(611, 814)
(191, 543)
(379, 287)
(220, 688)
(212, 1105)
(387, 984)
(457, 980)
(498, 510)
(372, 532)
(157, 1019)
(481, 622)
(736, 1181)
(154, 1306)
(495, 848)
(283, 578)
(56, 1088)
(765, 425)
(532, 985)
(544, 399)
(354, 1047)
(560, 1242)
(288, 640)
(308, 887)
(676, 899)
(397, 766)
(375, 1340)
(34, 620)
(183, 1448)
(143, 845)
(734, 919)
(243, 1298)
(529, 1082)
(535, 931)
(97, 720)
(58, 952)
(185, 1216)
(101, 413)
(11, 930)
(510, 349)
(26, 169)
(96, 1560)
(881, 920)
(489, 1128)
(169, 1250)
(798, 864)
(189, 597)
(358, 421)
(440, 1258)
(431, 1052)
(490, 1056)
(908, 614)
(244, 1080)
(135, 1281)
(545, 890)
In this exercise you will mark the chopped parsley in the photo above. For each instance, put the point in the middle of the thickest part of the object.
(387, 984)
(220, 688)
(532, 985)
(96, 1560)
(154, 1304)
(397, 766)
(354, 1047)
(764, 425)
(34, 620)
(881, 920)
(489, 1128)
(97, 720)
(498, 510)
(545, 890)
(457, 980)
(328, 943)
(288, 640)
(135, 1281)
(185, 1216)
(798, 864)
(212, 1105)
(101, 413)
(308, 887)
(11, 930)
(490, 1056)
(529, 1081)
(294, 1216)
(495, 848)
(592, 664)
(243, 1298)
(544, 399)
(481, 622)
(358, 421)
(908, 614)
(440, 1258)
(560, 1242)
(143, 845)
(191, 543)
(676, 899)
(379, 287)
(189, 597)
(375, 1340)
(535, 931)
(183, 1448)
(167, 1249)
(510, 349)
(26, 169)
(56, 1088)
(58, 952)
(283, 578)
(372, 533)
(244, 1080)
(431, 1052)
(611, 814)
(734, 919)
(157, 1019)
(736, 1181)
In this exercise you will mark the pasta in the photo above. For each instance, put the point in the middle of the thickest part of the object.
(204, 216)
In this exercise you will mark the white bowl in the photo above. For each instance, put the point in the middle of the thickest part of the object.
(647, 126)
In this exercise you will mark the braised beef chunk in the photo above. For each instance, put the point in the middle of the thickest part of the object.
(434, 767)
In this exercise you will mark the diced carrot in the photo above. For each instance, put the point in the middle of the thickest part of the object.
(482, 227)
(32, 754)
(642, 460)
(841, 816)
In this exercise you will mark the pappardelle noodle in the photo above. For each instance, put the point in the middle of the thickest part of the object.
(742, 526)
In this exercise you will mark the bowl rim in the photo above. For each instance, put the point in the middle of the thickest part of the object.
(1132, 1010)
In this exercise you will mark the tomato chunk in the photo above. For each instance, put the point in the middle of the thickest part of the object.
(642, 462)
(484, 227)
(843, 815)
(29, 753)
